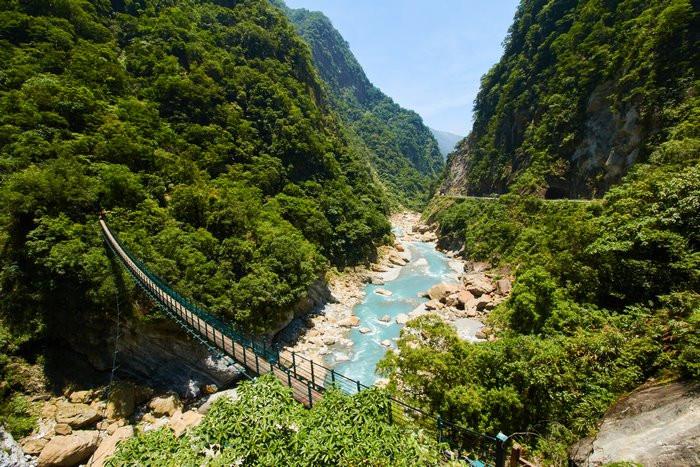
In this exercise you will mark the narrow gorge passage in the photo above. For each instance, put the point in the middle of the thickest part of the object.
(385, 308)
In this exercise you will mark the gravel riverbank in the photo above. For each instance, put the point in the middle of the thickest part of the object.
(463, 303)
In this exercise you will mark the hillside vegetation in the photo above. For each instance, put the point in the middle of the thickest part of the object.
(584, 90)
(265, 426)
(606, 293)
(200, 127)
(402, 149)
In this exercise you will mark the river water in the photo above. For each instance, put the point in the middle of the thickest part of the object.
(428, 267)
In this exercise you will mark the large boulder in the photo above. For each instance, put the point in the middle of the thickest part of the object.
(76, 415)
(230, 393)
(121, 402)
(434, 305)
(477, 284)
(503, 286)
(165, 405)
(442, 291)
(33, 446)
(109, 445)
(81, 397)
(397, 260)
(655, 425)
(349, 322)
(69, 450)
(180, 422)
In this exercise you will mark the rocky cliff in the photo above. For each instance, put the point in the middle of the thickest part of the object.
(583, 91)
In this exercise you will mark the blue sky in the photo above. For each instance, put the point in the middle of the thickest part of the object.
(428, 55)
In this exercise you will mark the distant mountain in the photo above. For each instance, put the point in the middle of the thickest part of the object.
(401, 148)
(446, 141)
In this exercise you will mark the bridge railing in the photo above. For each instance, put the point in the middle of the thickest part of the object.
(314, 376)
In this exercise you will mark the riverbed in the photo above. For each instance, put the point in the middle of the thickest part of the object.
(378, 330)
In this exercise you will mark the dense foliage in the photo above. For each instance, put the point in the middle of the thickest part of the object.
(607, 294)
(266, 426)
(583, 89)
(402, 149)
(200, 127)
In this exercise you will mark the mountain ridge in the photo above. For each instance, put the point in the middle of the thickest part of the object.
(402, 149)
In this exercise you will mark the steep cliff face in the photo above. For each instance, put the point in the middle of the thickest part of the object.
(583, 91)
(402, 149)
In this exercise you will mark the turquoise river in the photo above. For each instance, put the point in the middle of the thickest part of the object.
(427, 267)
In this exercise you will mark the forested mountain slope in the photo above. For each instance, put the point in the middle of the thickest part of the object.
(200, 127)
(403, 150)
(606, 294)
(584, 90)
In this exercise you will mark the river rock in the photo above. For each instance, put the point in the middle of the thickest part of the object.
(376, 281)
(329, 340)
(81, 397)
(379, 268)
(165, 405)
(385, 319)
(33, 446)
(109, 445)
(483, 302)
(477, 266)
(180, 422)
(230, 393)
(341, 357)
(365, 330)
(76, 415)
(503, 286)
(477, 284)
(402, 318)
(441, 291)
(123, 399)
(63, 429)
(384, 292)
(397, 260)
(400, 248)
(350, 322)
(434, 305)
(69, 450)
(386, 343)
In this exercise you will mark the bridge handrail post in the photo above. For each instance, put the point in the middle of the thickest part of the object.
(311, 401)
(313, 378)
(294, 363)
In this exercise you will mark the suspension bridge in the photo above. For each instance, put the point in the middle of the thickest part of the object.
(307, 379)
